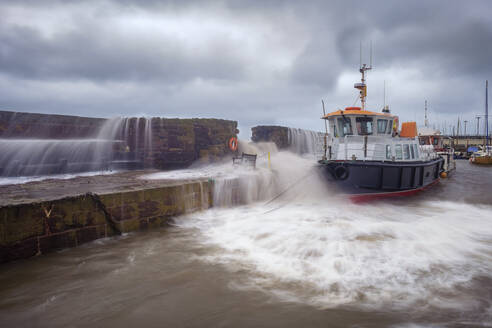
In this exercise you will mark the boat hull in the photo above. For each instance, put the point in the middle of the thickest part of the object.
(365, 180)
(481, 160)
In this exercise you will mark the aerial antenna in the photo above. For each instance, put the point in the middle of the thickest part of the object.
(426, 122)
(360, 55)
(370, 55)
(384, 93)
(385, 107)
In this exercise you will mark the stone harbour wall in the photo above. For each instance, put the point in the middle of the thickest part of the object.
(177, 143)
(168, 144)
(47, 126)
(36, 228)
(271, 133)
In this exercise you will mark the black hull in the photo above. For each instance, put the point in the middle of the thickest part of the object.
(375, 177)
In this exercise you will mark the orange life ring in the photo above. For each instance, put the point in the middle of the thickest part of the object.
(233, 144)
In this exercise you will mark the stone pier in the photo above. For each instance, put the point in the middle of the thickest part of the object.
(41, 217)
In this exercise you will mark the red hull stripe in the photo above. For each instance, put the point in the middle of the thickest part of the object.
(358, 198)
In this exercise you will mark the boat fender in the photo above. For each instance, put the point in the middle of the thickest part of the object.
(233, 144)
(341, 172)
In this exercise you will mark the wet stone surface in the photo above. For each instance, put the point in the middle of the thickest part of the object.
(46, 190)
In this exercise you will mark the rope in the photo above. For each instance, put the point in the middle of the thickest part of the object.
(287, 189)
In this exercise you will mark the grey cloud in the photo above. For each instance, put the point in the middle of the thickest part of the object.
(89, 53)
(448, 42)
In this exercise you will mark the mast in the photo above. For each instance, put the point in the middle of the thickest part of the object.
(487, 112)
(362, 86)
(426, 123)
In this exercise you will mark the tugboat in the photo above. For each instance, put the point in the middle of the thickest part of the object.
(367, 156)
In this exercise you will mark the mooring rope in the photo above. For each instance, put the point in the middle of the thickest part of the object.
(285, 190)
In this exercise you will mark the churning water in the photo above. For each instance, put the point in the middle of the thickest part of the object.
(295, 255)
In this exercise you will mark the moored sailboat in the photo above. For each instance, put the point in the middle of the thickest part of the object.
(484, 157)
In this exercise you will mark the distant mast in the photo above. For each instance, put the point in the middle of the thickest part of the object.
(426, 122)
(487, 112)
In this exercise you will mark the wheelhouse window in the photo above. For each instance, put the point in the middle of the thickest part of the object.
(412, 151)
(398, 152)
(364, 125)
(390, 126)
(382, 126)
(344, 126)
(416, 150)
(406, 151)
(388, 151)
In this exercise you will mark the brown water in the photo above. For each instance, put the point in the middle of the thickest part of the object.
(302, 261)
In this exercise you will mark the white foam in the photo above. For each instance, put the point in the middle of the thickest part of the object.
(314, 247)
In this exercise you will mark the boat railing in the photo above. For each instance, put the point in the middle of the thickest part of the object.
(373, 148)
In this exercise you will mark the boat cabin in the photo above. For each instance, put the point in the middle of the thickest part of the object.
(356, 122)
(357, 134)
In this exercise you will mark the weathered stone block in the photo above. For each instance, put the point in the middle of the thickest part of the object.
(148, 208)
(123, 212)
(21, 222)
(57, 241)
(87, 234)
(19, 250)
(129, 225)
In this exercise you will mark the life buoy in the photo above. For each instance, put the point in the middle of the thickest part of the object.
(341, 172)
(233, 144)
(431, 140)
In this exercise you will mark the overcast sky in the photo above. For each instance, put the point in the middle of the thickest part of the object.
(257, 62)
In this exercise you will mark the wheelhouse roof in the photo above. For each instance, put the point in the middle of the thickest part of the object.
(351, 111)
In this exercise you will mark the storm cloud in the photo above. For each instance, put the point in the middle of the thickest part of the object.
(258, 62)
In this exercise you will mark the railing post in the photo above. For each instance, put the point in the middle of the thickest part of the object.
(345, 143)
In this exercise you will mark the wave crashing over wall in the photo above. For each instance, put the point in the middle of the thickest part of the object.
(304, 141)
(117, 143)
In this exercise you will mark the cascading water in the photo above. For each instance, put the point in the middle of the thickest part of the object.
(303, 141)
(118, 143)
(233, 185)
